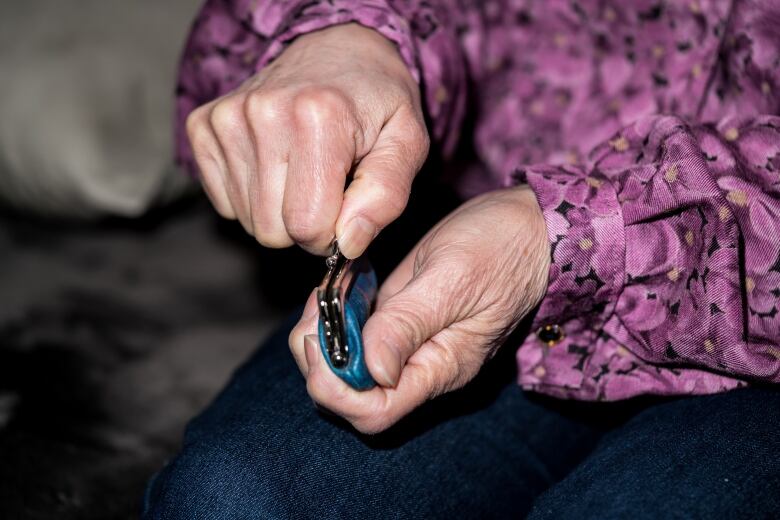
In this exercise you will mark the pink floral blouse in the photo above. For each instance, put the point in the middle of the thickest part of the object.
(648, 130)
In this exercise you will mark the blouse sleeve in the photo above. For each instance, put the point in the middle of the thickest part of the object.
(666, 242)
(232, 39)
(665, 275)
(666, 262)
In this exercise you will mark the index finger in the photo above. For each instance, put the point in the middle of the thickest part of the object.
(321, 156)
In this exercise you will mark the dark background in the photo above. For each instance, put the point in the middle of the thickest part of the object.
(114, 333)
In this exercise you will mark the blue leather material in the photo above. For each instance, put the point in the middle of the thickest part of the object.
(356, 311)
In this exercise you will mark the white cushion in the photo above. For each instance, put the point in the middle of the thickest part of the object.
(86, 102)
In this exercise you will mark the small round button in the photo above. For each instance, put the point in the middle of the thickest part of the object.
(550, 334)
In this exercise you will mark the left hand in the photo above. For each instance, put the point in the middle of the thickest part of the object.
(443, 311)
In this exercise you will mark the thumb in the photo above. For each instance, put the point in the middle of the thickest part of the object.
(382, 183)
(403, 323)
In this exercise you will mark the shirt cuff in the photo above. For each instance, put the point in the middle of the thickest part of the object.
(587, 241)
(375, 15)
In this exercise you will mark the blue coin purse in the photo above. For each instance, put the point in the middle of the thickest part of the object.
(345, 299)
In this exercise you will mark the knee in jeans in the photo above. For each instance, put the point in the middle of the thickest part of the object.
(212, 483)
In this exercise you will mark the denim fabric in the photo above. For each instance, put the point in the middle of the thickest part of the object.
(715, 456)
(262, 450)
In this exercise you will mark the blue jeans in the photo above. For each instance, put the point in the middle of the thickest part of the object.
(262, 450)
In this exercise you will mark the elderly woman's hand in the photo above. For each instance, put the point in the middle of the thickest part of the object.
(442, 312)
(276, 152)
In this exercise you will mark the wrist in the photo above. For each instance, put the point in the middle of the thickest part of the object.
(531, 228)
(360, 44)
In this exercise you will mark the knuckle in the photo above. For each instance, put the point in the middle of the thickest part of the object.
(454, 368)
(318, 105)
(198, 131)
(419, 132)
(322, 393)
(225, 211)
(268, 227)
(378, 418)
(192, 122)
(421, 142)
(303, 227)
(393, 194)
(227, 116)
(272, 239)
(371, 425)
(268, 232)
(451, 362)
(411, 153)
(407, 326)
(417, 141)
(436, 380)
(263, 107)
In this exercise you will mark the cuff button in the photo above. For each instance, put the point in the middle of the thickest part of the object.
(550, 334)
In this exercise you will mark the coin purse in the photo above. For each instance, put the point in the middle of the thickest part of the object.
(345, 299)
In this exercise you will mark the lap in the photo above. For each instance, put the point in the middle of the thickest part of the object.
(262, 450)
(715, 456)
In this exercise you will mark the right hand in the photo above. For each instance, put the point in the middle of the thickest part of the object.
(275, 153)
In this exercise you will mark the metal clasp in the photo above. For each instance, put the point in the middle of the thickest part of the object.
(331, 297)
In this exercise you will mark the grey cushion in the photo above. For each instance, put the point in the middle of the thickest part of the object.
(86, 97)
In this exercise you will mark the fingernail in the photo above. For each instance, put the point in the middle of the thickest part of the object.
(357, 234)
(389, 368)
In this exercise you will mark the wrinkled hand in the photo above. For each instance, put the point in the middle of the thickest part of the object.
(276, 152)
(441, 313)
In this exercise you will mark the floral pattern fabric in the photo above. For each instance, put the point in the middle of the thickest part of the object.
(649, 132)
